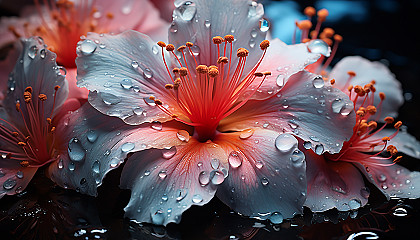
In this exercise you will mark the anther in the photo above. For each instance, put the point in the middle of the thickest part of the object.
(152, 98)
(158, 102)
(161, 44)
(382, 96)
(183, 71)
(309, 11)
(304, 25)
(18, 107)
(189, 44)
(42, 97)
(52, 129)
(217, 40)
(27, 96)
(349, 88)
(56, 87)
(392, 150)
(222, 60)
(385, 139)
(242, 52)
(397, 159)
(22, 144)
(49, 121)
(258, 74)
(338, 38)
(373, 124)
(397, 124)
(322, 15)
(327, 41)
(170, 47)
(371, 109)
(351, 73)
(175, 70)
(332, 81)
(181, 48)
(389, 120)
(24, 163)
(202, 69)
(28, 89)
(267, 73)
(213, 72)
(15, 134)
(328, 32)
(229, 38)
(264, 44)
(169, 86)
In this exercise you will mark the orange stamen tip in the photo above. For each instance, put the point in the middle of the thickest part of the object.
(332, 81)
(392, 150)
(52, 129)
(42, 97)
(351, 73)
(328, 32)
(371, 109)
(338, 38)
(27, 96)
(327, 41)
(109, 15)
(389, 120)
(229, 38)
(15, 134)
(181, 48)
(360, 113)
(175, 70)
(169, 86)
(183, 71)
(189, 44)
(28, 89)
(152, 98)
(304, 25)
(56, 87)
(267, 73)
(264, 44)
(398, 124)
(161, 44)
(373, 82)
(242, 52)
(170, 47)
(397, 159)
(21, 144)
(213, 72)
(174, 116)
(258, 74)
(24, 163)
(373, 124)
(305, 40)
(222, 60)
(309, 11)
(203, 69)
(349, 88)
(158, 102)
(217, 40)
(322, 14)
(313, 34)
(49, 120)
(382, 96)
(385, 139)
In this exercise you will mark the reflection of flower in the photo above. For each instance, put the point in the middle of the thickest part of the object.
(209, 120)
(36, 91)
(62, 23)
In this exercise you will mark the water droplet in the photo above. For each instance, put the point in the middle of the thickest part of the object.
(42, 53)
(314, 138)
(254, 33)
(32, 51)
(9, 184)
(87, 47)
(60, 164)
(162, 174)
(346, 109)
(181, 194)
(215, 163)
(147, 73)
(365, 192)
(337, 105)
(216, 177)
(158, 217)
(110, 99)
(246, 133)
(297, 158)
(319, 46)
(251, 43)
(207, 23)
(355, 204)
(187, 10)
(307, 145)
(134, 64)
(165, 197)
(339, 189)
(76, 151)
(91, 136)
(173, 28)
(197, 198)
(264, 181)
(276, 218)
(280, 80)
(156, 125)
(286, 142)
(102, 45)
(168, 153)
(83, 181)
(147, 173)
(255, 9)
(126, 83)
(127, 147)
(183, 135)
(71, 166)
(203, 178)
(235, 159)
(114, 162)
(264, 25)
(382, 178)
(319, 149)
(400, 212)
(259, 164)
(318, 82)
(155, 49)
(127, 7)
(96, 166)
(138, 111)
(19, 174)
(195, 50)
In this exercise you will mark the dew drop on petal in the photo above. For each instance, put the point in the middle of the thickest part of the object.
(318, 82)
(173, 28)
(276, 218)
(264, 25)
(319, 149)
(158, 217)
(126, 83)
(264, 181)
(365, 192)
(42, 53)
(217, 177)
(165, 197)
(147, 73)
(127, 147)
(162, 174)
(382, 177)
(280, 80)
(235, 159)
(183, 135)
(346, 109)
(155, 49)
(76, 151)
(91, 136)
(187, 10)
(337, 105)
(114, 162)
(110, 99)
(355, 204)
(181, 194)
(207, 23)
(286, 142)
(19, 174)
(59, 164)
(259, 164)
(197, 198)
(215, 163)
(138, 111)
(134, 64)
(297, 158)
(71, 166)
(149, 102)
(96, 166)
(156, 125)
(9, 184)
(246, 133)
(168, 153)
(32, 52)
(400, 212)
(203, 178)
(87, 47)
(307, 145)
(319, 46)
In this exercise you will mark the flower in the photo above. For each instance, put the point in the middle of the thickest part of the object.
(37, 91)
(211, 119)
(62, 23)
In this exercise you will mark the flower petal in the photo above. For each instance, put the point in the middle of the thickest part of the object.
(394, 180)
(13, 177)
(74, 90)
(282, 61)
(403, 141)
(266, 176)
(311, 109)
(333, 185)
(6, 67)
(366, 71)
(91, 144)
(36, 67)
(124, 70)
(199, 21)
(162, 188)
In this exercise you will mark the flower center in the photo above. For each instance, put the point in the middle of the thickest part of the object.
(36, 139)
(207, 94)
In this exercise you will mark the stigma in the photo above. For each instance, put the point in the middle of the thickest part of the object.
(207, 94)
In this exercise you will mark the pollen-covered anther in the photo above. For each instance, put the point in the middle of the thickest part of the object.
(359, 90)
(309, 11)
(169, 86)
(28, 89)
(361, 112)
(398, 124)
(328, 32)
(351, 73)
(371, 109)
(373, 124)
(229, 38)
(332, 81)
(242, 52)
(349, 88)
(202, 69)
(222, 60)
(52, 129)
(177, 83)
(304, 25)
(170, 47)
(22, 144)
(392, 150)
(217, 40)
(338, 38)
(152, 98)
(175, 70)
(56, 87)
(183, 72)
(181, 48)
(49, 121)
(389, 120)
(158, 102)
(174, 116)
(264, 44)
(397, 159)
(15, 134)
(327, 41)
(189, 44)
(24, 163)
(27, 96)
(382, 96)
(386, 139)
(17, 107)
(267, 73)
(161, 44)
(213, 71)
(258, 74)
(42, 97)
(322, 15)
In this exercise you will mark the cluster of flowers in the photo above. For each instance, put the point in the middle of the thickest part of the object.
(219, 110)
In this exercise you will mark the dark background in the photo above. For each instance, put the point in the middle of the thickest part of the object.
(383, 30)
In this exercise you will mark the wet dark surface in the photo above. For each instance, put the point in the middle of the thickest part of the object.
(44, 211)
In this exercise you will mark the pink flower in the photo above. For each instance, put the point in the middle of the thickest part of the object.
(36, 92)
(201, 115)
(62, 23)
